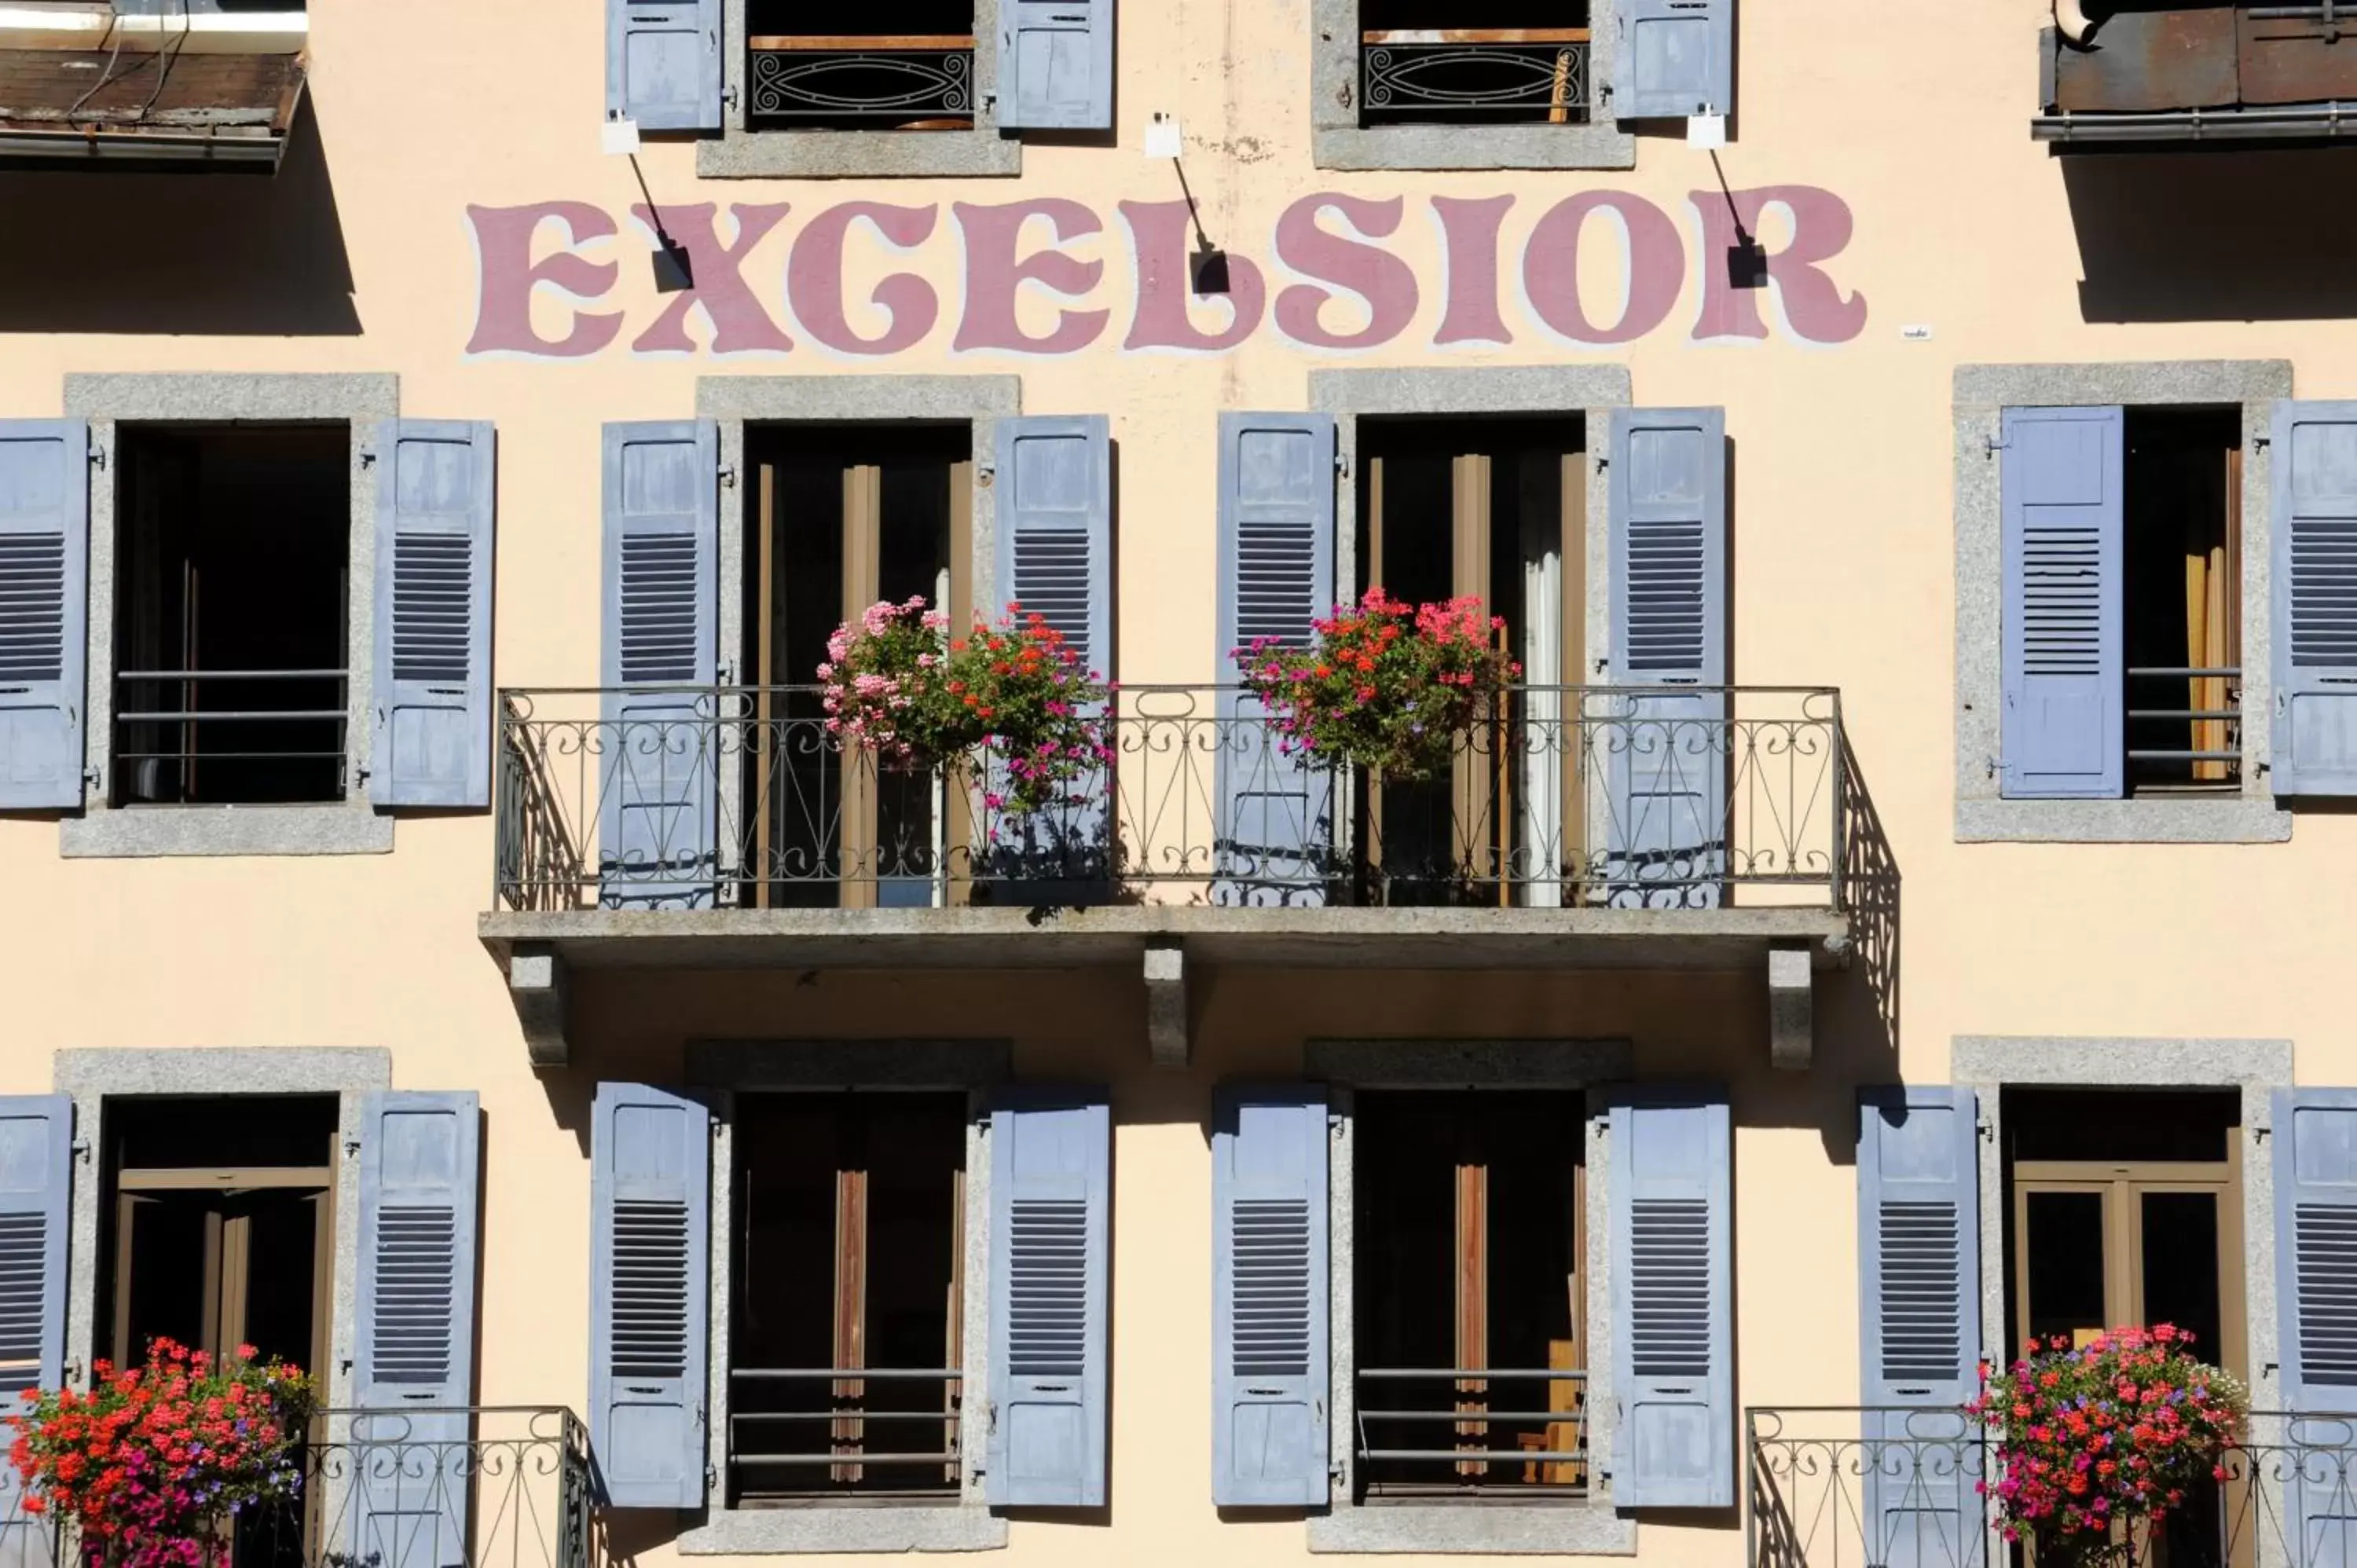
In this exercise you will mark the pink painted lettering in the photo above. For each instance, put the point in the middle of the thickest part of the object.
(815, 279)
(739, 325)
(995, 276)
(1159, 233)
(507, 277)
(1386, 283)
(1468, 235)
(1656, 268)
(1814, 306)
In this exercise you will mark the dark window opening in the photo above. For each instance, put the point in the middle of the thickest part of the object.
(849, 1260)
(1493, 62)
(232, 636)
(1484, 506)
(837, 519)
(2182, 607)
(899, 65)
(1470, 1274)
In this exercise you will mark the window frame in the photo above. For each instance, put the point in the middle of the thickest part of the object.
(743, 152)
(1982, 393)
(853, 1524)
(1473, 1526)
(351, 826)
(1338, 141)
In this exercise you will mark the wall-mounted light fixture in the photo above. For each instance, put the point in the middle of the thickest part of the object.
(1207, 269)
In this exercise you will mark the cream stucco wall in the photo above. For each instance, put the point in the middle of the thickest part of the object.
(1914, 116)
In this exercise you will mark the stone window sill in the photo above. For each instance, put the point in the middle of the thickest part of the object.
(2229, 821)
(1472, 147)
(949, 1526)
(1476, 1529)
(859, 155)
(152, 832)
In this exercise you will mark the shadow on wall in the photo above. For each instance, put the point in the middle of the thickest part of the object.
(2223, 236)
(200, 254)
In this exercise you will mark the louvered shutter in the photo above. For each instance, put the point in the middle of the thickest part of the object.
(36, 1187)
(2316, 1298)
(1918, 1322)
(433, 744)
(2314, 584)
(1667, 748)
(649, 1271)
(1671, 1289)
(1055, 65)
(2063, 728)
(44, 600)
(414, 1362)
(658, 783)
(1274, 837)
(1055, 558)
(1676, 57)
(662, 63)
(1269, 1434)
(1049, 1157)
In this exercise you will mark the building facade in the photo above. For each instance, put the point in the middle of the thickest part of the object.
(450, 949)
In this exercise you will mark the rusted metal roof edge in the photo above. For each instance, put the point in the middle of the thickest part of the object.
(2294, 122)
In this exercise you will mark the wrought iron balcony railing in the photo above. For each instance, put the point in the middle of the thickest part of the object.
(857, 81)
(479, 1486)
(736, 797)
(1474, 76)
(1865, 1488)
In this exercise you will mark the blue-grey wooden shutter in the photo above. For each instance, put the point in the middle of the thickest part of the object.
(1273, 840)
(413, 1361)
(1049, 1159)
(649, 1290)
(2063, 729)
(2316, 1300)
(1055, 65)
(35, 1188)
(1918, 1322)
(1676, 57)
(658, 780)
(44, 601)
(662, 63)
(1667, 748)
(1055, 558)
(1269, 1375)
(1672, 1287)
(2314, 585)
(433, 744)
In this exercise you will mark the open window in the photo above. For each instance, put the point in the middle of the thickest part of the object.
(232, 635)
(847, 1310)
(1470, 1259)
(1489, 62)
(2122, 604)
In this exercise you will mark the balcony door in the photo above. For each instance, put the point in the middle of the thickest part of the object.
(2113, 1238)
(1494, 509)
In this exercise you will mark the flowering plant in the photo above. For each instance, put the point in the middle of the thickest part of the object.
(2120, 1428)
(151, 1458)
(1382, 684)
(898, 684)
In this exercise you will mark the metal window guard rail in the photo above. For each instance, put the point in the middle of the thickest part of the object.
(2213, 717)
(170, 723)
(1550, 1448)
(917, 82)
(428, 1486)
(1848, 1487)
(844, 1446)
(739, 796)
(1473, 74)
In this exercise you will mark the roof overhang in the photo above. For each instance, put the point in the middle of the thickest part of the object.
(226, 111)
(2335, 122)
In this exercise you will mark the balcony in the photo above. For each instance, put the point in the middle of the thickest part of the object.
(1830, 1487)
(2209, 73)
(482, 1486)
(1577, 826)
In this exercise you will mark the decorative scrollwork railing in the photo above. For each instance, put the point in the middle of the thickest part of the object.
(854, 81)
(1889, 1487)
(1495, 75)
(740, 797)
